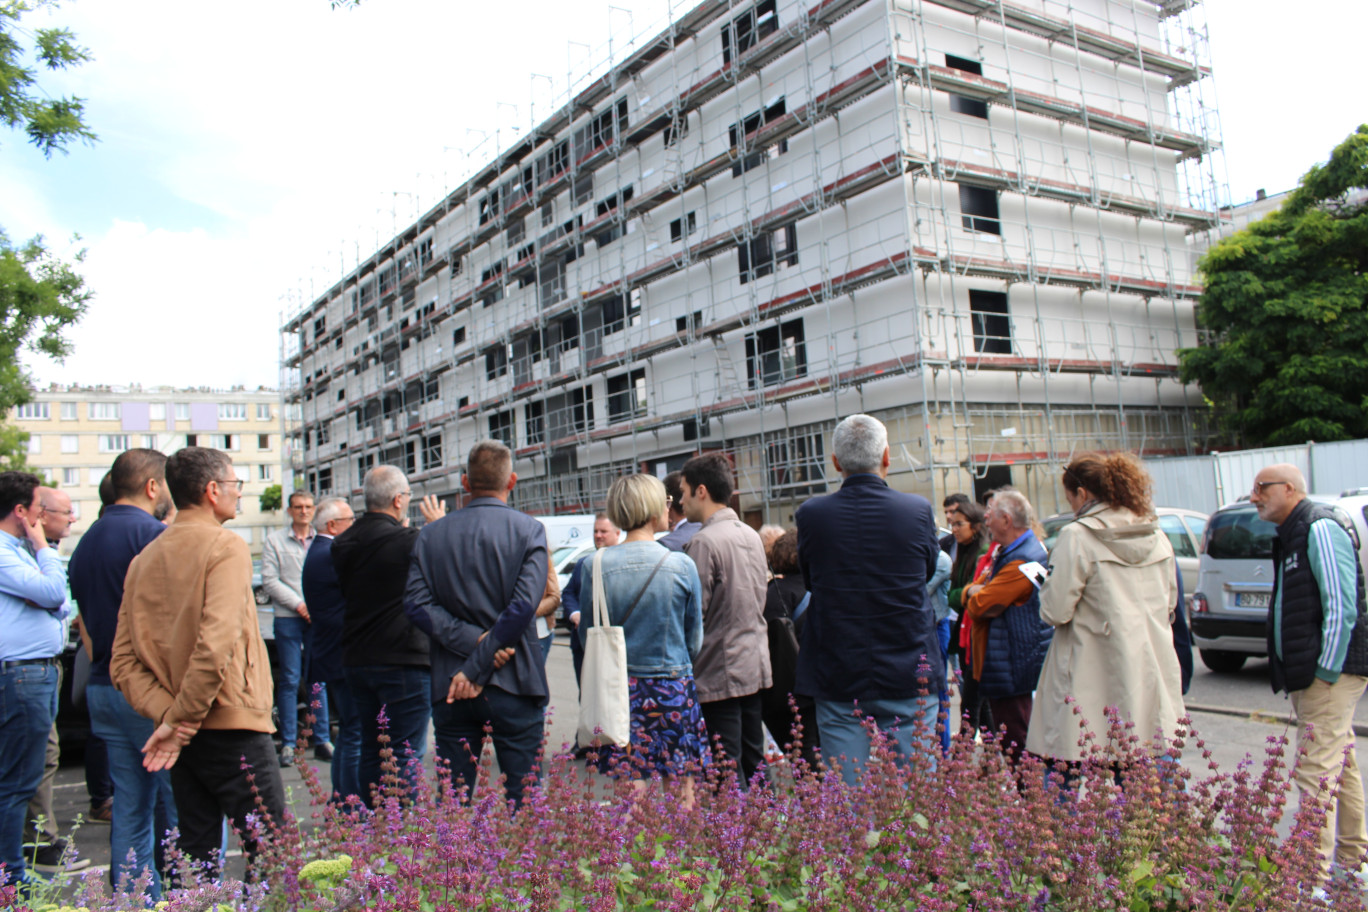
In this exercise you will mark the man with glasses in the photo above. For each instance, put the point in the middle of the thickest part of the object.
(47, 850)
(188, 655)
(282, 562)
(318, 581)
(1318, 652)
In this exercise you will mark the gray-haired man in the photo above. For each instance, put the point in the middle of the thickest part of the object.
(385, 656)
(870, 637)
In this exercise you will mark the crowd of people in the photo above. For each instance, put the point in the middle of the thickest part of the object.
(859, 617)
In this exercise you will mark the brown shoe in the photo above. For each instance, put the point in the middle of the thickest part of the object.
(102, 812)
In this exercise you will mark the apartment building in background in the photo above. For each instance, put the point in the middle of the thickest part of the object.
(970, 218)
(76, 433)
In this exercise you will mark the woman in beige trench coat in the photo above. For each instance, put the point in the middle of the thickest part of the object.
(1110, 596)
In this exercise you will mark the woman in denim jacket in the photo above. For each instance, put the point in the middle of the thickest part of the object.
(658, 594)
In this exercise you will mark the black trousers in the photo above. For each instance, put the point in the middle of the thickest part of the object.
(210, 782)
(738, 725)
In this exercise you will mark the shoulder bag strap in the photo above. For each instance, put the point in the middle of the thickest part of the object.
(644, 587)
(600, 600)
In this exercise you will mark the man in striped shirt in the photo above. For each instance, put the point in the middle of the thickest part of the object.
(1318, 651)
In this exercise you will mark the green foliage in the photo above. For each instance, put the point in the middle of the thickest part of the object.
(51, 123)
(40, 297)
(270, 498)
(1286, 302)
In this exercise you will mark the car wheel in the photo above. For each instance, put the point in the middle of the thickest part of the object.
(1221, 661)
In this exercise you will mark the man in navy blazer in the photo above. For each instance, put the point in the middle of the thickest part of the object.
(323, 594)
(870, 632)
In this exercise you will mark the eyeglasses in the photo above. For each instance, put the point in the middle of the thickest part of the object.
(1260, 485)
(57, 512)
(958, 524)
(226, 482)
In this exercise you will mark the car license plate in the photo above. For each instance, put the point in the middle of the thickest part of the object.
(1251, 599)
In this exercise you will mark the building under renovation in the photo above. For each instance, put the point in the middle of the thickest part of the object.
(970, 218)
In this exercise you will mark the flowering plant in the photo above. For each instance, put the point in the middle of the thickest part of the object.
(1129, 828)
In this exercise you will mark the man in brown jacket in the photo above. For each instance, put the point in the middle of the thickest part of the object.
(734, 664)
(189, 656)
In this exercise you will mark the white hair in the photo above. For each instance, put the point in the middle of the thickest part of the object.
(1015, 506)
(382, 485)
(859, 443)
(328, 510)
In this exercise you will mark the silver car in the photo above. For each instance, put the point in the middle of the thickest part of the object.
(1235, 585)
(1184, 531)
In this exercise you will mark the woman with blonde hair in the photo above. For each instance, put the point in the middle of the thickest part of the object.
(654, 594)
(1110, 596)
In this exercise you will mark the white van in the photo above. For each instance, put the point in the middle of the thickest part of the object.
(567, 530)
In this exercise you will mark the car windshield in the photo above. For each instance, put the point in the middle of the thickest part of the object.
(562, 553)
(1239, 534)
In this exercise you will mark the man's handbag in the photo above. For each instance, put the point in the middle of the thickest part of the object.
(605, 714)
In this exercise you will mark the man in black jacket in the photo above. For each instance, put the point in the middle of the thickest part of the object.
(1318, 651)
(385, 656)
(869, 641)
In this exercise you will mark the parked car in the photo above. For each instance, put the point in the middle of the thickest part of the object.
(1235, 583)
(1184, 530)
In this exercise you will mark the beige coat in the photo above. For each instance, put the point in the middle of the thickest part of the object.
(1110, 596)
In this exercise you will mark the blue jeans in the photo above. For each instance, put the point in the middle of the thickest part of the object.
(844, 737)
(294, 642)
(28, 704)
(135, 789)
(346, 761)
(943, 637)
(515, 725)
(404, 692)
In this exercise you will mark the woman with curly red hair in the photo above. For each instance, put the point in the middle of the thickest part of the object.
(1110, 596)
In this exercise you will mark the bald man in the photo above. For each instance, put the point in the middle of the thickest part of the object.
(1318, 650)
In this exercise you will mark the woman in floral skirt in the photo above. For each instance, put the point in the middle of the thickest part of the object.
(654, 595)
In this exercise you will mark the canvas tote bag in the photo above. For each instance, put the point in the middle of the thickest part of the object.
(605, 715)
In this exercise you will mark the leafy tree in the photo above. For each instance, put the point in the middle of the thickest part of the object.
(270, 498)
(1286, 303)
(40, 295)
(51, 123)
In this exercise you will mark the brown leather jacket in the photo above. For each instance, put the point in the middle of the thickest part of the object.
(187, 647)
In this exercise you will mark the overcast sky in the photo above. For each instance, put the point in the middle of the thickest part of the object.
(248, 149)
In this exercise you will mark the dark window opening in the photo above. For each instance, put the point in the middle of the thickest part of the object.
(553, 163)
(739, 131)
(764, 253)
(979, 208)
(456, 264)
(571, 412)
(677, 128)
(582, 189)
(749, 29)
(489, 206)
(612, 204)
(693, 430)
(516, 231)
(458, 335)
(627, 395)
(959, 103)
(432, 452)
(993, 477)
(535, 422)
(682, 226)
(496, 362)
(776, 355)
(501, 428)
(619, 313)
(689, 322)
(602, 130)
(992, 325)
(463, 402)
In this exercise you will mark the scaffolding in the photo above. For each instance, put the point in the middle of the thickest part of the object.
(971, 218)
